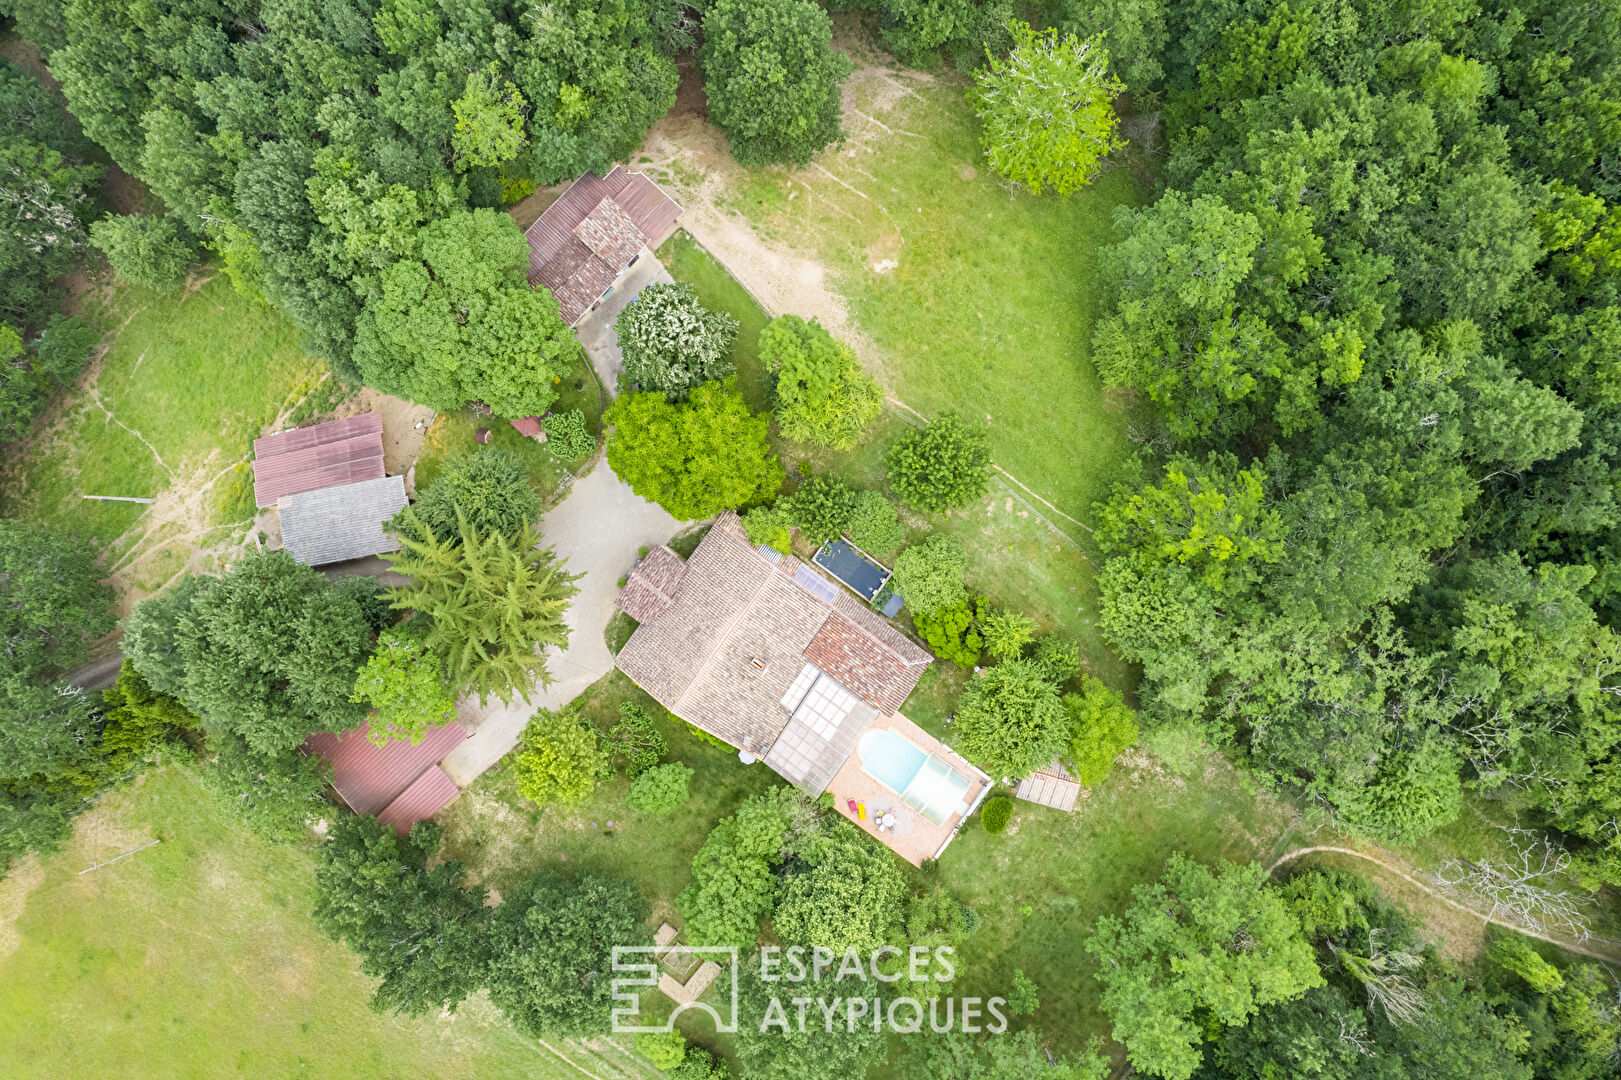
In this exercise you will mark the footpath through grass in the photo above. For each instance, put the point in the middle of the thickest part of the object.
(186, 383)
(1014, 557)
(982, 299)
(199, 958)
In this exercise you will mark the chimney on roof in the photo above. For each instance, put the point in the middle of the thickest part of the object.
(759, 664)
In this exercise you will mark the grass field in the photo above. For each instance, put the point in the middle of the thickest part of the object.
(1014, 556)
(982, 299)
(186, 382)
(198, 958)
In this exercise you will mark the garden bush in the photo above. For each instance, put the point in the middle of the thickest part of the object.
(567, 437)
(661, 789)
(996, 813)
(874, 525)
(942, 466)
(671, 342)
(1104, 725)
(822, 395)
(930, 574)
(952, 633)
(821, 508)
(557, 760)
(1006, 633)
(771, 526)
(634, 745)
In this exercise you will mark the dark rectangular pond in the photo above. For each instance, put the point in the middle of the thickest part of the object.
(846, 562)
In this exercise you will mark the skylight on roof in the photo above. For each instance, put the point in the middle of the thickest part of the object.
(800, 687)
(825, 707)
(817, 585)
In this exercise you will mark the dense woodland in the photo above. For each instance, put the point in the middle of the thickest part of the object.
(1370, 321)
(1375, 318)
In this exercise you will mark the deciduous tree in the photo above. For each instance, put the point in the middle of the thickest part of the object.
(1047, 110)
(695, 458)
(671, 342)
(941, 467)
(1010, 720)
(772, 77)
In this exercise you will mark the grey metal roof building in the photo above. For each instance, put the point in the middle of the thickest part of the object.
(337, 523)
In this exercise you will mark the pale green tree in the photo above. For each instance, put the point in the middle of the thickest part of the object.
(1047, 109)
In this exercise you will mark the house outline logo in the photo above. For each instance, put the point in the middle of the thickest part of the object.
(626, 988)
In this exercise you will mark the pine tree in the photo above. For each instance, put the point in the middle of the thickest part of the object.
(492, 601)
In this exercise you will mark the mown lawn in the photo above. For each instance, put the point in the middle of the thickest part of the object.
(982, 299)
(199, 958)
(195, 373)
(1015, 556)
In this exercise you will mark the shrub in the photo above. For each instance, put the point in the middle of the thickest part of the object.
(64, 348)
(874, 525)
(1006, 633)
(1023, 998)
(664, 1050)
(821, 508)
(771, 526)
(567, 437)
(996, 813)
(952, 632)
(1103, 726)
(1010, 720)
(671, 342)
(930, 574)
(661, 789)
(1058, 657)
(941, 466)
(822, 395)
(635, 744)
(971, 921)
(490, 488)
(144, 249)
(557, 760)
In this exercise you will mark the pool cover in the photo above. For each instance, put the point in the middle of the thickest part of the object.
(852, 567)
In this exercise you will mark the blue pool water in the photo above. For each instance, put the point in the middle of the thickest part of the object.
(890, 759)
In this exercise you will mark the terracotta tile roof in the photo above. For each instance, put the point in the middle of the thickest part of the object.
(325, 455)
(652, 584)
(736, 633)
(585, 239)
(610, 234)
(858, 662)
(530, 426)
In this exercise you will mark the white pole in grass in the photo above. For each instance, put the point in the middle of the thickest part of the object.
(115, 858)
(116, 498)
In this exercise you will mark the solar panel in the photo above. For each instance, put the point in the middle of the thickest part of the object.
(817, 585)
(771, 554)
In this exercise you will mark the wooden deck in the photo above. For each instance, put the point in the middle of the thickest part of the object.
(1052, 786)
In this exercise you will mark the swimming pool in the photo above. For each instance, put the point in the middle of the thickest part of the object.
(922, 780)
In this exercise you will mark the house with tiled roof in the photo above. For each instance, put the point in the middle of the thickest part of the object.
(764, 652)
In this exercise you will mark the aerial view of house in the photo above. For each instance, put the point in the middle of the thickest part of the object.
(809, 540)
